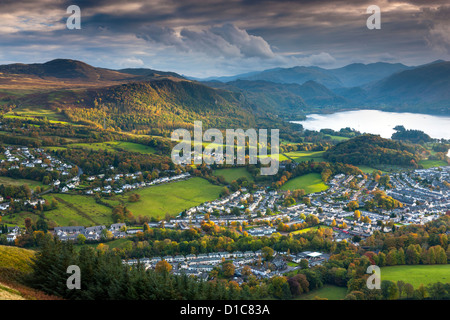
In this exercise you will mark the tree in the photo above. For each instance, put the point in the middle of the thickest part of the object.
(228, 269)
(134, 197)
(41, 224)
(81, 239)
(28, 225)
(163, 267)
(279, 287)
(246, 271)
(307, 201)
(437, 291)
(389, 290)
(304, 264)
(352, 205)
(408, 289)
(106, 234)
(267, 253)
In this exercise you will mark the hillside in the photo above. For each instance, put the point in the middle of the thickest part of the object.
(284, 99)
(357, 74)
(15, 258)
(64, 69)
(74, 91)
(372, 150)
(144, 72)
(159, 103)
(298, 75)
(423, 87)
(386, 86)
(14, 264)
(272, 97)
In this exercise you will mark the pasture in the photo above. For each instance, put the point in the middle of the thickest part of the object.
(78, 210)
(171, 198)
(114, 146)
(302, 156)
(311, 182)
(328, 291)
(231, 174)
(417, 274)
(432, 163)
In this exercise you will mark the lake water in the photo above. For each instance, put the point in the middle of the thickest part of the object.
(379, 122)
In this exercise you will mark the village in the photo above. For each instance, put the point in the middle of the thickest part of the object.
(259, 264)
(424, 194)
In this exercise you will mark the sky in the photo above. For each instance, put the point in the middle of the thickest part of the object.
(203, 38)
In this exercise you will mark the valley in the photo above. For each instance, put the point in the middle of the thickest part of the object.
(86, 160)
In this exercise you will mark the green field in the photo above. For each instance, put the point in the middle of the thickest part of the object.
(302, 156)
(18, 219)
(329, 292)
(231, 174)
(172, 198)
(417, 274)
(7, 181)
(281, 157)
(35, 112)
(337, 138)
(78, 210)
(116, 146)
(311, 182)
(432, 163)
(367, 169)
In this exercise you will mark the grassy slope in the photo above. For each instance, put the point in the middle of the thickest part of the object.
(432, 163)
(311, 182)
(329, 292)
(82, 209)
(116, 145)
(417, 274)
(233, 174)
(7, 181)
(15, 258)
(172, 198)
(14, 263)
(301, 156)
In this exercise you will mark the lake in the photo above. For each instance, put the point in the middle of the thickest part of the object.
(379, 122)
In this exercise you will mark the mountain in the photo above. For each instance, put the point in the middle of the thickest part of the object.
(297, 75)
(129, 99)
(144, 72)
(64, 69)
(425, 87)
(358, 74)
(316, 94)
(287, 100)
(269, 96)
(352, 75)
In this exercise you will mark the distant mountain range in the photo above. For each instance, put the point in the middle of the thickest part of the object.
(379, 85)
(352, 75)
(289, 93)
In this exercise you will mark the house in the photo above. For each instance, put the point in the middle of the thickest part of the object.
(11, 237)
(116, 226)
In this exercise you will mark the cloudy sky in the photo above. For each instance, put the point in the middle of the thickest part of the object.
(203, 38)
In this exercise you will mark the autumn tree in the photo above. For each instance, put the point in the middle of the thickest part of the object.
(163, 267)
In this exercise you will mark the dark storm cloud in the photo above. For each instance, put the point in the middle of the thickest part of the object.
(225, 36)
